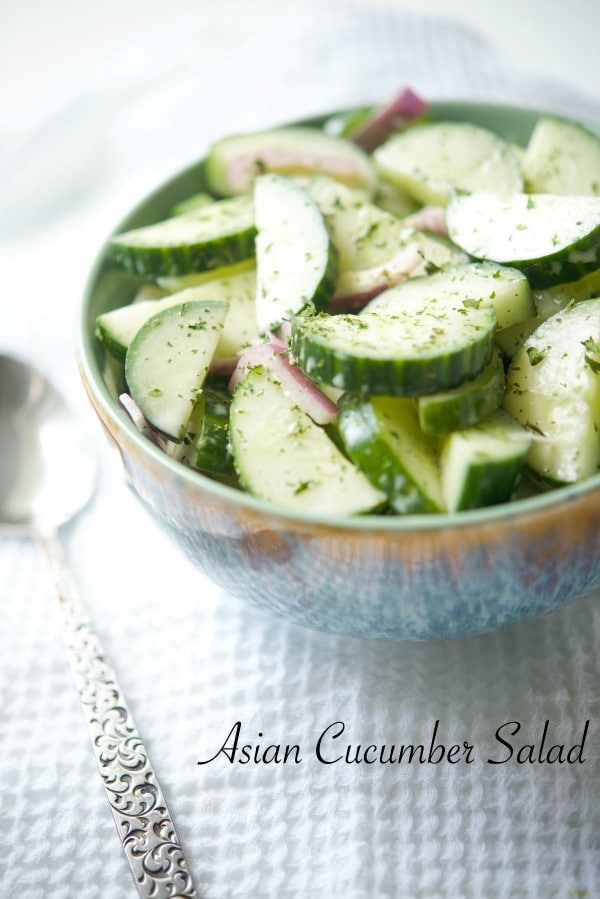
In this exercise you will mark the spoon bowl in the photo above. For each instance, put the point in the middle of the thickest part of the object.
(47, 472)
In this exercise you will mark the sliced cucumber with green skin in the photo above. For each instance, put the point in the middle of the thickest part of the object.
(504, 288)
(191, 204)
(206, 441)
(482, 465)
(168, 360)
(283, 457)
(553, 299)
(430, 161)
(376, 249)
(551, 239)
(195, 279)
(547, 302)
(553, 388)
(118, 327)
(296, 260)
(421, 348)
(234, 162)
(467, 405)
(383, 438)
(562, 157)
(217, 234)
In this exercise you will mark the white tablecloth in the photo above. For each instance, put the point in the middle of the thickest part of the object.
(193, 661)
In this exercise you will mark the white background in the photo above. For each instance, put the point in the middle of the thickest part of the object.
(43, 44)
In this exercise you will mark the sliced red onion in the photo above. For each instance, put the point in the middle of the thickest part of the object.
(274, 356)
(140, 421)
(389, 118)
(429, 218)
(356, 288)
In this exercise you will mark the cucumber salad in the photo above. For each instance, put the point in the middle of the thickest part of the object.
(388, 314)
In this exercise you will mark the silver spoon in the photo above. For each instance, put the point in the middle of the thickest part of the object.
(46, 477)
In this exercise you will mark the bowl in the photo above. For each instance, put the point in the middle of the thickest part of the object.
(420, 577)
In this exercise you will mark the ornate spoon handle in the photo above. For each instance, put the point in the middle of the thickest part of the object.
(141, 815)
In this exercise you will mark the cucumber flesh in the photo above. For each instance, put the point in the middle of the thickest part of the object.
(465, 406)
(562, 158)
(482, 465)
(551, 239)
(217, 234)
(376, 249)
(504, 288)
(430, 161)
(282, 456)
(296, 261)
(167, 362)
(421, 348)
(234, 162)
(553, 388)
(383, 438)
(118, 327)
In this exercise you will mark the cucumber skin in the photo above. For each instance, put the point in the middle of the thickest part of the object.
(358, 428)
(174, 261)
(210, 449)
(385, 377)
(550, 271)
(448, 411)
(489, 483)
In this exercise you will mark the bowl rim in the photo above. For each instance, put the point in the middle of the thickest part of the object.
(101, 397)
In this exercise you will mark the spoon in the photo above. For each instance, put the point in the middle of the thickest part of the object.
(46, 477)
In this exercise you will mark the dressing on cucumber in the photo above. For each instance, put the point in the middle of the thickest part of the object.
(282, 456)
(553, 388)
(550, 238)
(296, 261)
(216, 234)
(430, 161)
(421, 348)
(167, 362)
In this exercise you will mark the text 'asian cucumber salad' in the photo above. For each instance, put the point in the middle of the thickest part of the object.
(389, 314)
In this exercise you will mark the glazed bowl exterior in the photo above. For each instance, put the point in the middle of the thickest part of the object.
(403, 578)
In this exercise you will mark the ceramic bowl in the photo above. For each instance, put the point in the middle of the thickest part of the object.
(402, 578)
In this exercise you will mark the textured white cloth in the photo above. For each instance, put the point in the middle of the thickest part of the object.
(193, 661)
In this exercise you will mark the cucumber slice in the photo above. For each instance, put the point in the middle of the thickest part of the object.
(191, 204)
(562, 158)
(282, 456)
(547, 302)
(383, 438)
(234, 162)
(118, 327)
(482, 465)
(167, 362)
(296, 261)
(206, 441)
(217, 234)
(465, 406)
(551, 239)
(553, 388)
(504, 288)
(430, 161)
(553, 299)
(376, 249)
(194, 279)
(392, 198)
(421, 348)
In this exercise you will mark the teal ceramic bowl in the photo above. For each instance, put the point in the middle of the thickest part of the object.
(401, 578)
